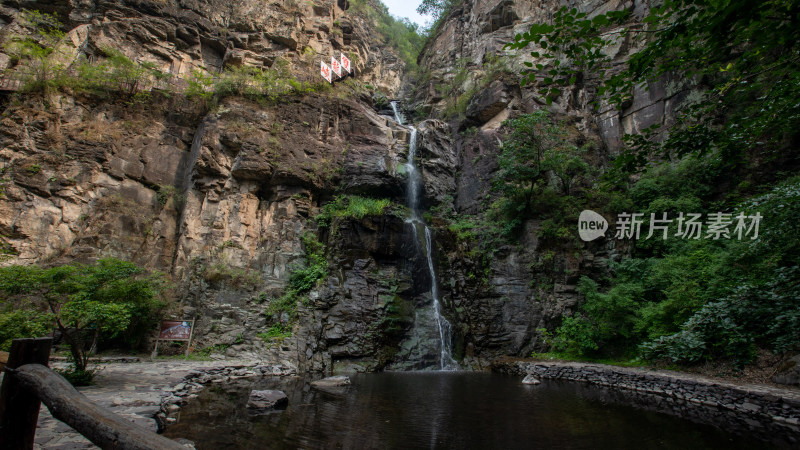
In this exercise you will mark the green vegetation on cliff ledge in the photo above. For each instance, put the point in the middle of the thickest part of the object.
(42, 58)
(538, 163)
(353, 207)
(302, 279)
(400, 33)
(86, 303)
(439, 10)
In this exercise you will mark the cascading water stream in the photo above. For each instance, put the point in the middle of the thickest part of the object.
(446, 361)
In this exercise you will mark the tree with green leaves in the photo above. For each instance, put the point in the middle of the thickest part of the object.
(111, 298)
(739, 57)
(436, 8)
(535, 150)
(22, 321)
(36, 53)
(117, 73)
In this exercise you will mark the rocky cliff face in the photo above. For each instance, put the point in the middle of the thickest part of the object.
(506, 304)
(220, 199)
(472, 39)
(181, 36)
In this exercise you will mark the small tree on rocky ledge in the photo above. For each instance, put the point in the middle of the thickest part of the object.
(87, 302)
(37, 52)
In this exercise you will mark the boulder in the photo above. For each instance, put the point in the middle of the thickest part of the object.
(489, 102)
(262, 402)
(530, 379)
(789, 373)
(337, 381)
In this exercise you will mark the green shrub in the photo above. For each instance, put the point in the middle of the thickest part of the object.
(201, 87)
(302, 278)
(237, 277)
(464, 228)
(78, 377)
(33, 169)
(534, 153)
(261, 85)
(169, 192)
(695, 300)
(22, 321)
(352, 207)
(276, 332)
(116, 74)
(39, 51)
(606, 320)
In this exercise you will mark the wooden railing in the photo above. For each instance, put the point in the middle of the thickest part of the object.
(28, 382)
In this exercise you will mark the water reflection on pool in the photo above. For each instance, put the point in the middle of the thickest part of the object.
(437, 410)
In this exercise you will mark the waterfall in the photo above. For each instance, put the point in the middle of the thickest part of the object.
(446, 361)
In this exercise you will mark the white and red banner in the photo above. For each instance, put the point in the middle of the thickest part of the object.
(346, 63)
(326, 72)
(337, 68)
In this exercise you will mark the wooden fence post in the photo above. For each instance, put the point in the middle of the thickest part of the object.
(19, 408)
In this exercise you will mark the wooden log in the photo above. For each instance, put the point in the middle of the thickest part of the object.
(3, 360)
(101, 426)
(19, 409)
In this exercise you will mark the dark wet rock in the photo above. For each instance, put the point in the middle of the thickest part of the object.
(437, 160)
(489, 102)
(261, 402)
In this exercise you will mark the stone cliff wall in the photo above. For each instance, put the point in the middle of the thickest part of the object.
(217, 198)
(220, 198)
(473, 38)
(503, 304)
(182, 36)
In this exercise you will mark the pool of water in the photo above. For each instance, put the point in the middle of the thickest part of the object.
(437, 410)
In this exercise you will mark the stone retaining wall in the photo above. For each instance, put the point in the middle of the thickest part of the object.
(770, 414)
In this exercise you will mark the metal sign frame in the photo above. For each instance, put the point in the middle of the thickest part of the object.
(187, 340)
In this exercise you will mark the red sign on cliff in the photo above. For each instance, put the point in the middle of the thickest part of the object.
(337, 68)
(326, 72)
(345, 63)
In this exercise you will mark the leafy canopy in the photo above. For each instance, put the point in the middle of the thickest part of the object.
(695, 300)
(111, 298)
(739, 58)
(535, 151)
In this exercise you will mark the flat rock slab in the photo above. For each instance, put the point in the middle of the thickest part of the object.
(262, 402)
(337, 381)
